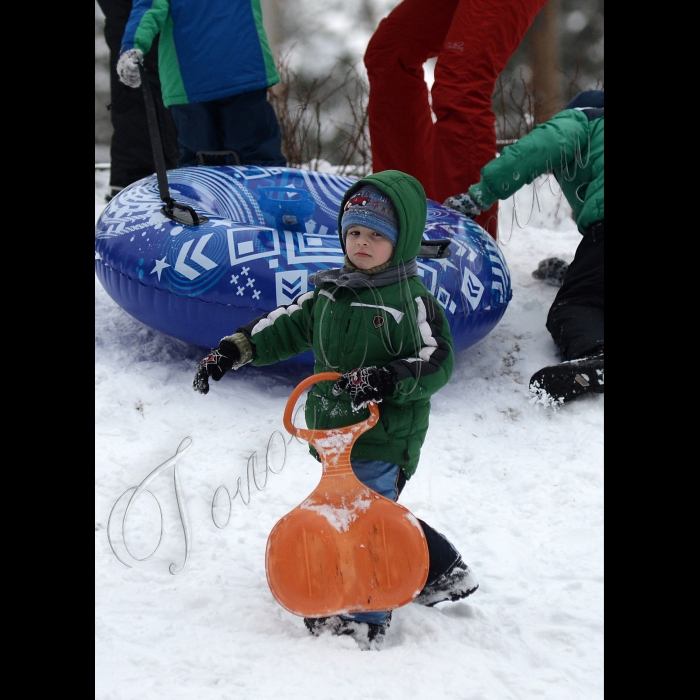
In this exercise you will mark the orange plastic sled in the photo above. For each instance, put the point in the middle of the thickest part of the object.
(344, 549)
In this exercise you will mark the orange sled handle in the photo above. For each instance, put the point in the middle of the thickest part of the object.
(317, 436)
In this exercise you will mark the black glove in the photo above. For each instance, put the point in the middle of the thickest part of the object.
(215, 365)
(464, 204)
(366, 384)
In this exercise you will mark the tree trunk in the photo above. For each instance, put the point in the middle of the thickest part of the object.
(545, 61)
(272, 21)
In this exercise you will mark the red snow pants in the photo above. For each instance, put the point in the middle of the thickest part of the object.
(473, 41)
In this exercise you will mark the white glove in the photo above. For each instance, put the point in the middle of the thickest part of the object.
(128, 67)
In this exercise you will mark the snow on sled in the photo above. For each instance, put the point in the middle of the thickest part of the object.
(263, 231)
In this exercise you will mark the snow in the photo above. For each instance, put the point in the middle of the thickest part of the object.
(340, 518)
(517, 488)
(318, 33)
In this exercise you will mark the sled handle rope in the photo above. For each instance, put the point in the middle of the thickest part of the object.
(178, 212)
(333, 445)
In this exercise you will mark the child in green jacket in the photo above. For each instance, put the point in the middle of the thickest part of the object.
(374, 322)
(571, 145)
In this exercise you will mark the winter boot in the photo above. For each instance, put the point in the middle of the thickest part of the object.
(559, 384)
(457, 583)
(367, 634)
(552, 271)
(113, 193)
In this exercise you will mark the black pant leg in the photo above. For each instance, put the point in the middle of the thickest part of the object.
(131, 152)
(577, 317)
(441, 553)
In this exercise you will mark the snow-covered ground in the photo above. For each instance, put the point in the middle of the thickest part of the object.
(518, 488)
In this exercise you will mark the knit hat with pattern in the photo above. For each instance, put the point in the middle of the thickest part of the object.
(370, 207)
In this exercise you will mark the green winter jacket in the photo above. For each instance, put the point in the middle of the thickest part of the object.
(571, 145)
(400, 325)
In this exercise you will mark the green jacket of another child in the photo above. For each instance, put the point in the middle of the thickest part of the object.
(572, 146)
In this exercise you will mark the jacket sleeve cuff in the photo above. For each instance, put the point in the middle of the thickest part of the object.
(482, 195)
(244, 347)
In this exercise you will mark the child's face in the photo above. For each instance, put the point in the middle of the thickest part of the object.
(366, 248)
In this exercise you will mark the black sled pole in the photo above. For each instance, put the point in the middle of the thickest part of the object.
(180, 213)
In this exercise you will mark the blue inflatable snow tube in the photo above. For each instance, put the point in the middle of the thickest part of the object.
(268, 229)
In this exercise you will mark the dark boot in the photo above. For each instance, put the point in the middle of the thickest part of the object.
(113, 193)
(559, 384)
(456, 583)
(367, 634)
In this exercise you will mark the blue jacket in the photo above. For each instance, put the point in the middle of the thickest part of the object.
(208, 49)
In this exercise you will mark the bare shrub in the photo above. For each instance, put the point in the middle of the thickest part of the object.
(516, 101)
(324, 119)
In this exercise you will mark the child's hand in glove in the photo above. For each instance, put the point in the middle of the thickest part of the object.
(128, 67)
(464, 204)
(219, 361)
(366, 384)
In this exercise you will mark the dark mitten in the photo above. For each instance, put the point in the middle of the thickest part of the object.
(464, 204)
(366, 384)
(552, 271)
(215, 365)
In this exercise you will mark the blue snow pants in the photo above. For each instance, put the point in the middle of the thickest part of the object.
(246, 124)
(388, 480)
